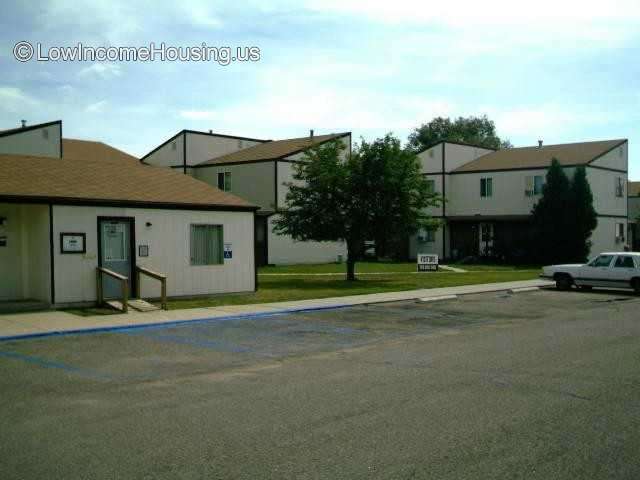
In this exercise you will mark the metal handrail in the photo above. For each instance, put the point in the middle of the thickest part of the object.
(158, 276)
(124, 283)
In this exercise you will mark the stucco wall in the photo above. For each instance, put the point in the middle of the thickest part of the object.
(284, 250)
(25, 262)
(169, 251)
(254, 182)
(43, 142)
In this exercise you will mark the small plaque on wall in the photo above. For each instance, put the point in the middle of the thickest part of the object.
(73, 242)
(143, 250)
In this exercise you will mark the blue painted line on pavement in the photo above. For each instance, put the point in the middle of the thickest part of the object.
(215, 345)
(174, 323)
(43, 362)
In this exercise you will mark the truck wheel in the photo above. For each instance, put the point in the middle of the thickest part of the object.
(635, 283)
(563, 282)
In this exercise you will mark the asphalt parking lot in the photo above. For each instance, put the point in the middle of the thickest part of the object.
(534, 385)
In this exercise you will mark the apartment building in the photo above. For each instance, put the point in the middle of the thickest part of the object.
(258, 171)
(490, 195)
(634, 215)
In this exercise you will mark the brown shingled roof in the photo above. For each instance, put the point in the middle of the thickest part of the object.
(273, 150)
(88, 149)
(95, 181)
(536, 157)
(634, 189)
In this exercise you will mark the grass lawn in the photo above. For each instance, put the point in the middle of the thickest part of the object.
(382, 267)
(297, 286)
(283, 288)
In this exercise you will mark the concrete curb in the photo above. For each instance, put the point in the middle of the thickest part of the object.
(438, 299)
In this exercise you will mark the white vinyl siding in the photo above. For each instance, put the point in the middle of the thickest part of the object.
(206, 245)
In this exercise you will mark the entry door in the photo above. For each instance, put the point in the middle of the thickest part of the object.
(115, 254)
(261, 252)
(486, 239)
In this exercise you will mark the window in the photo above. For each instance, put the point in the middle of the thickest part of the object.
(431, 186)
(206, 245)
(224, 181)
(620, 232)
(619, 187)
(426, 235)
(486, 187)
(601, 261)
(534, 185)
(624, 262)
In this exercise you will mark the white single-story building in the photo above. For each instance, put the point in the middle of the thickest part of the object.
(68, 207)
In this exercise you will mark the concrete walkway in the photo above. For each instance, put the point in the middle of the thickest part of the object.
(27, 325)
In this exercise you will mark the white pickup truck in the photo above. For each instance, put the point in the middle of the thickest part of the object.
(609, 269)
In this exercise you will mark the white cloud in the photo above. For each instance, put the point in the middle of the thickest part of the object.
(487, 12)
(14, 100)
(101, 70)
(97, 107)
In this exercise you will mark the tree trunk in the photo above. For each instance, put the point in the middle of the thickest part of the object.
(351, 264)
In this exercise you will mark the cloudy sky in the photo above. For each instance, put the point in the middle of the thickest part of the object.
(556, 70)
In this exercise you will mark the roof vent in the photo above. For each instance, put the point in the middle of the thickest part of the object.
(24, 123)
(539, 143)
(311, 134)
(210, 131)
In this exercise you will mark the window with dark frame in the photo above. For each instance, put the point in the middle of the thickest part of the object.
(207, 245)
(486, 187)
(224, 181)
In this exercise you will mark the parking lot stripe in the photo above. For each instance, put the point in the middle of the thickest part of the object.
(43, 362)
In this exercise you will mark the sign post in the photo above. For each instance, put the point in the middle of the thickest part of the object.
(427, 262)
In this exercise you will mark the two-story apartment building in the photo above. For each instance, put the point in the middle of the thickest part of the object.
(634, 214)
(489, 195)
(258, 171)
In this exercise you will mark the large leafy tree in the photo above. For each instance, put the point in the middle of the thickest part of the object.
(584, 219)
(474, 130)
(334, 198)
(397, 194)
(552, 218)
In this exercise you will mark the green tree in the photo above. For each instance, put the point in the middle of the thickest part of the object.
(584, 219)
(474, 130)
(397, 194)
(552, 218)
(333, 199)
